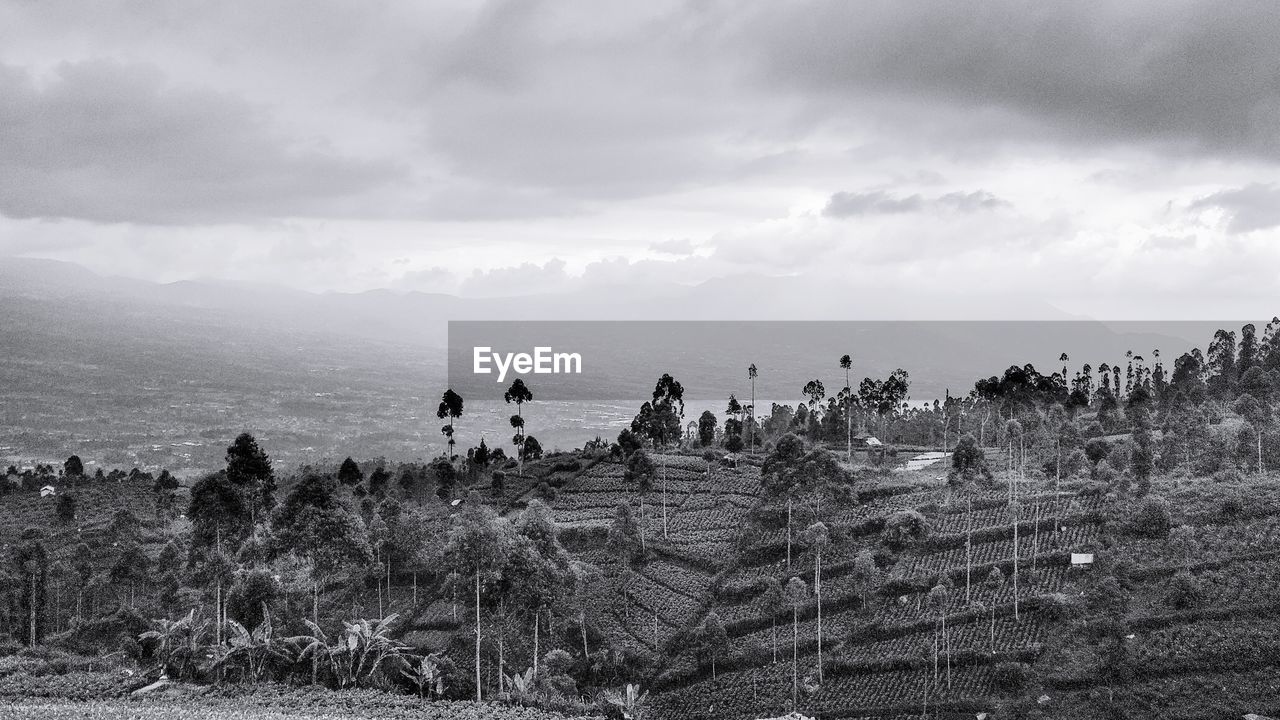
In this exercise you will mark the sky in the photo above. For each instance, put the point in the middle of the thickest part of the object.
(1116, 159)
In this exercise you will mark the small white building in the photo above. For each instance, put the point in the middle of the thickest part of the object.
(47, 491)
(1081, 560)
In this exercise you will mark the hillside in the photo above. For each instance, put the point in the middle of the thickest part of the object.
(1062, 649)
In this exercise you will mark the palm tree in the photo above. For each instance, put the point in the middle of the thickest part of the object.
(751, 438)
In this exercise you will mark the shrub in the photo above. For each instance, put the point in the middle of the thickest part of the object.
(1011, 677)
(1228, 475)
(1096, 449)
(1056, 606)
(1232, 506)
(904, 528)
(1184, 591)
(1153, 519)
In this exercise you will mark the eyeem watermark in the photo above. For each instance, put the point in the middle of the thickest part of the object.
(543, 361)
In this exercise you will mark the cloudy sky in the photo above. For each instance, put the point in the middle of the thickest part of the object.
(1113, 158)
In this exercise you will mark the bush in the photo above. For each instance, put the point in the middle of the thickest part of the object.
(1228, 475)
(1153, 519)
(1232, 506)
(904, 528)
(1011, 677)
(1184, 592)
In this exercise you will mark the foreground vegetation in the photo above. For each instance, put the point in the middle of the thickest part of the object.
(717, 569)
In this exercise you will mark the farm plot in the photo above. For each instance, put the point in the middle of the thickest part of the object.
(1191, 643)
(1237, 583)
(669, 590)
(997, 551)
(766, 690)
(1004, 636)
(1259, 535)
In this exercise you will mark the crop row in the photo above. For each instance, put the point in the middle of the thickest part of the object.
(767, 690)
(1030, 544)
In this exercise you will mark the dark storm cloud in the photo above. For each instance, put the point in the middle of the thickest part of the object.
(109, 142)
(1252, 207)
(879, 202)
(1199, 75)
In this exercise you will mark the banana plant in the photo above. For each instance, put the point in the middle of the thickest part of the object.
(523, 687)
(363, 649)
(254, 649)
(630, 701)
(426, 676)
(314, 647)
(177, 643)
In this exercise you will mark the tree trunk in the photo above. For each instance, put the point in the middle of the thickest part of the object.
(1015, 567)
(582, 625)
(31, 607)
(968, 547)
(664, 498)
(536, 613)
(946, 643)
(751, 429)
(788, 532)
(478, 694)
(773, 621)
(795, 655)
(817, 589)
(1035, 539)
(993, 626)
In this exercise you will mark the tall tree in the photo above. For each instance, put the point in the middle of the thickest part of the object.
(316, 521)
(797, 593)
(1257, 414)
(30, 559)
(712, 639)
(249, 469)
(73, 468)
(707, 428)
(1247, 356)
(818, 539)
(217, 512)
(451, 408)
(349, 473)
(752, 374)
(846, 395)
(477, 547)
(519, 394)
